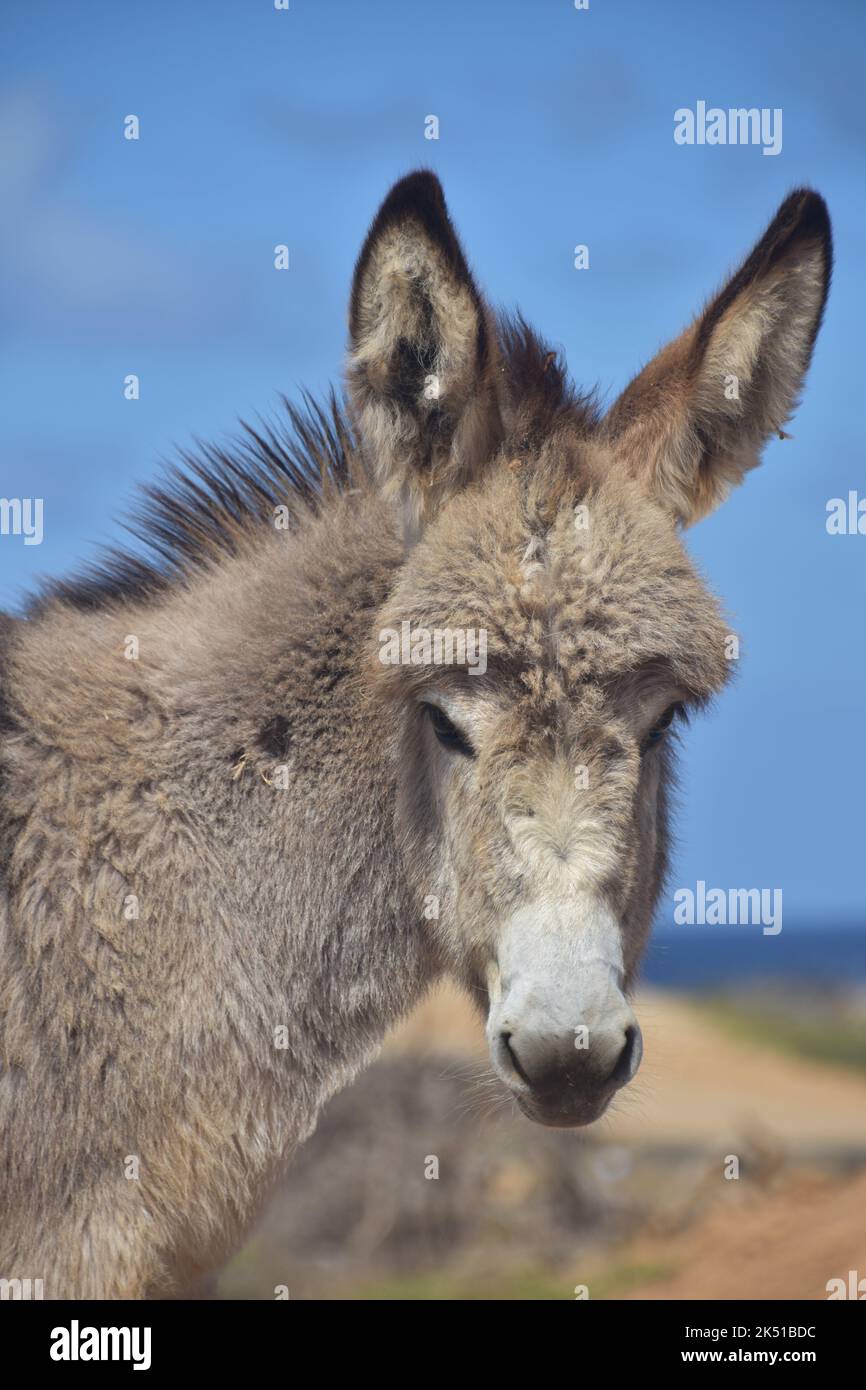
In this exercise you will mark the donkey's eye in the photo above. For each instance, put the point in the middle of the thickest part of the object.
(660, 728)
(447, 733)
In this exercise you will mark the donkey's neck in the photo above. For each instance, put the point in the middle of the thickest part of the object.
(247, 719)
(300, 787)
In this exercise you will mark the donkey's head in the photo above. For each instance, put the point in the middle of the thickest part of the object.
(547, 631)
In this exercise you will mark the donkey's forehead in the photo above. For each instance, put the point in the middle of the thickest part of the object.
(595, 588)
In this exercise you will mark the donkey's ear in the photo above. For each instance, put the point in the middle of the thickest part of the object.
(696, 418)
(421, 353)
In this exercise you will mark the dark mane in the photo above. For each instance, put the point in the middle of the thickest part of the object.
(207, 505)
(541, 393)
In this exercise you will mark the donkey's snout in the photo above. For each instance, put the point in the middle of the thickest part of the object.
(568, 1079)
(562, 1034)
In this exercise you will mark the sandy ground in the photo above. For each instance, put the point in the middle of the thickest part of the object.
(697, 1084)
(784, 1237)
(788, 1246)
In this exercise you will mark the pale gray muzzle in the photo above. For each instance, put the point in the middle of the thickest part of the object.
(561, 1032)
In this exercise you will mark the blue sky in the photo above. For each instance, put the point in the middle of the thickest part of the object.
(556, 128)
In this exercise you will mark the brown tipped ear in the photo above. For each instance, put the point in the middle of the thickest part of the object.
(696, 418)
(421, 353)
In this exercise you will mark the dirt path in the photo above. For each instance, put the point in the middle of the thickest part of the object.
(782, 1233)
(698, 1086)
(787, 1246)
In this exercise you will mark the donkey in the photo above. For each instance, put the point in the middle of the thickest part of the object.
(240, 838)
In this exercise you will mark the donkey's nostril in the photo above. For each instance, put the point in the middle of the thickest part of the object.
(511, 1056)
(629, 1059)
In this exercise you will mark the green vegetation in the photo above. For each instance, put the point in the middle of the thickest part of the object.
(827, 1032)
(527, 1285)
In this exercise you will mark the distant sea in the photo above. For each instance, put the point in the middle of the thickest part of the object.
(707, 958)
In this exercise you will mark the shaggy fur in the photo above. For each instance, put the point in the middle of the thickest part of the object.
(216, 857)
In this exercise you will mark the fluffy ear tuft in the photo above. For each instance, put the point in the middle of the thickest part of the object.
(694, 421)
(421, 353)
